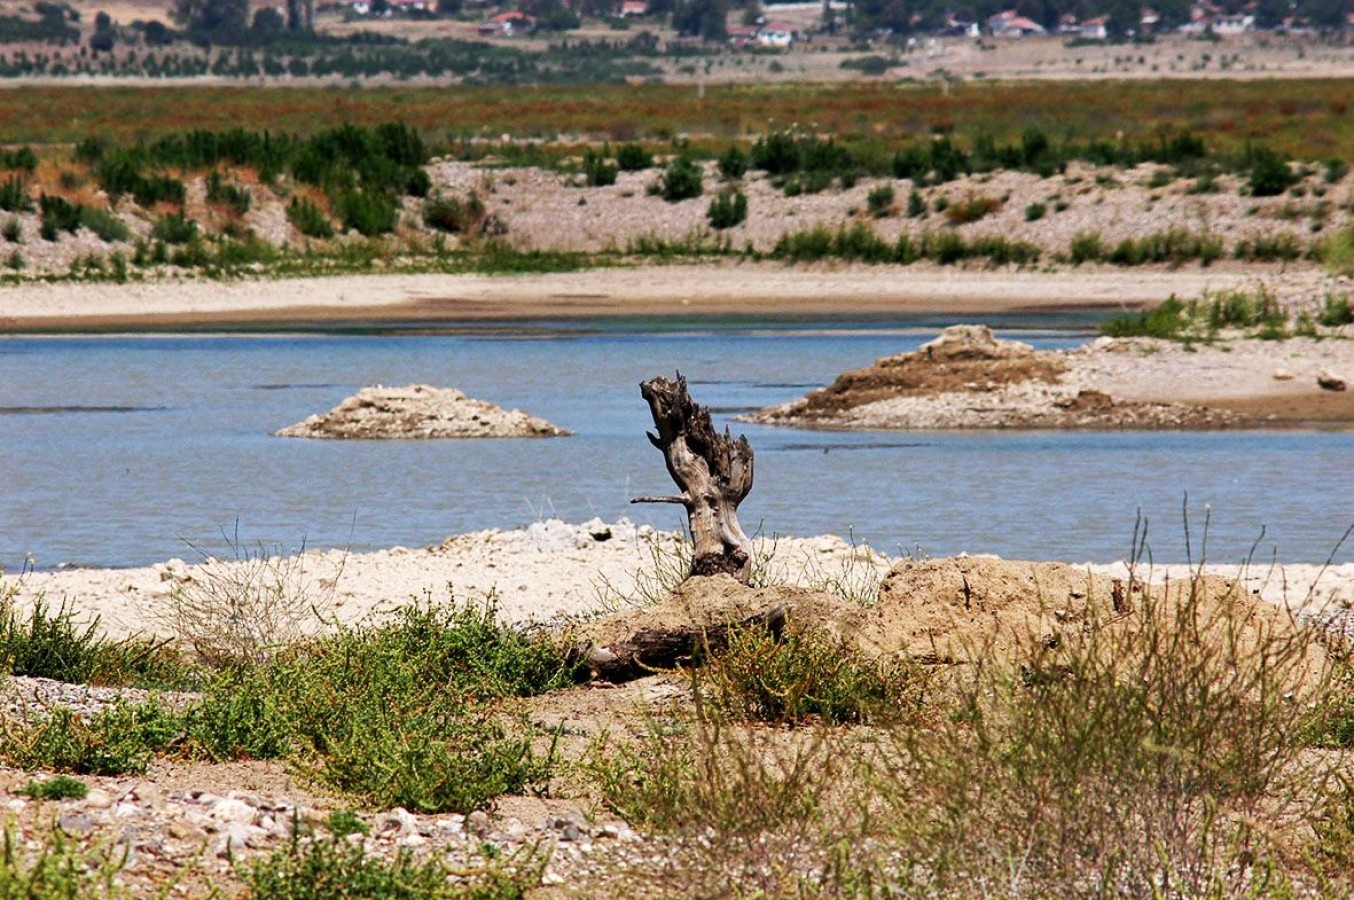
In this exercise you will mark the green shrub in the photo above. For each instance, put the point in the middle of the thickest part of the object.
(333, 869)
(727, 209)
(233, 196)
(916, 205)
(59, 870)
(174, 229)
(105, 223)
(633, 157)
(1281, 247)
(880, 201)
(43, 644)
(807, 676)
(120, 740)
(1086, 246)
(14, 195)
(307, 218)
(733, 163)
(1035, 211)
(1165, 320)
(13, 231)
(1269, 173)
(367, 213)
(1336, 311)
(58, 214)
(454, 215)
(23, 159)
(1334, 170)
(1337, 251)
(399, 714)
(598, 171)
(971, 209)
(681, 180)
(62, 787)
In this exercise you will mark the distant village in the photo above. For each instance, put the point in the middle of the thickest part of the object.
(782, 25)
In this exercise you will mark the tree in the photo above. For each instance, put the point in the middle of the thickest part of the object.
(224, 21)
(706, 19)
(268, 22)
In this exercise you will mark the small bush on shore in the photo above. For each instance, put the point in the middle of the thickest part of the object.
(971, 209)
(14, 195)
(51, 644)
(681, 180)
(1337, 251)
(175, 228)
(632, 157)
(880, 201)
(598, 171)
(727, 209)
(733, 163)
(807, 677)
(307, 218)
(454, 215)
(1336, 311)
(329, 867)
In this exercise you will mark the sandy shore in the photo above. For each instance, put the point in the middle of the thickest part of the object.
(554, 571)
(733, 288)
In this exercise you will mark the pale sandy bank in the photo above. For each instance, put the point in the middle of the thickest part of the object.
(712, 289)
(554, 571)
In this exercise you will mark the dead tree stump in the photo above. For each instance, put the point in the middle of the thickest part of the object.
(713, 472)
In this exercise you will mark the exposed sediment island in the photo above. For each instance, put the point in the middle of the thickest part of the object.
(419, 411)
(967, 378)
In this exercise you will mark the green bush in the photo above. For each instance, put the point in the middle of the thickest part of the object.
(1086, 246)
(727, 209)
(62, 787)
(333, 869)
(1337, 251)
(633, 157)
(681, 180)
(1035, 211)
(58, 214)
(12, 231)
(367, 213)
(400, 714)
(598, 171)
(174, 229)
(307, 218)
(1165, 320)
(454, 215)
(916, 205)
(807, 676)
(1281, 247)
(1334, 170)
(14, 195)
(733, 163)
(43, 644)
(971, 209)
(880, 201)
(1269, 173)
(105, 223)
(1336, 311)
(120, 740)
(233, 196)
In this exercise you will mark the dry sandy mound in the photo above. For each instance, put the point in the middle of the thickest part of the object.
(964, 610)
(967, 378)
(419, 411)
(967, 609)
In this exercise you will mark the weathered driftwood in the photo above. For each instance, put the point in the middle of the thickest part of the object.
(713, 471)
(654, 649)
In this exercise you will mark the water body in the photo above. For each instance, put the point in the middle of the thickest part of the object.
(128, 450)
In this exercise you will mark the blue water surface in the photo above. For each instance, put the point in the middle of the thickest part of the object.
(126, 450)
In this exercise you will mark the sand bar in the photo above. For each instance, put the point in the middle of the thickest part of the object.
(733, 288)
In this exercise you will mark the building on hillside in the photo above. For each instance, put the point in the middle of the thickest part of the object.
(1096, 29)
(509, 23)
(1010, 24)
(776, 34)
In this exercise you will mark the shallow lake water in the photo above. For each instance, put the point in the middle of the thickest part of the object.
(128, 450)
